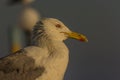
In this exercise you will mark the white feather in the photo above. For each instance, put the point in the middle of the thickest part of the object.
(51, 52)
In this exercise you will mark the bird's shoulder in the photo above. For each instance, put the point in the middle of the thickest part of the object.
(15, 60)
(34, 49)
(23, 56)
(36, 52)
(19, 65)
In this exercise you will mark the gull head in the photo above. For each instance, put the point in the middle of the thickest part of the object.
(56, 30)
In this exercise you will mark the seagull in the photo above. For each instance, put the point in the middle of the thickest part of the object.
(47, 57)
(25, 2)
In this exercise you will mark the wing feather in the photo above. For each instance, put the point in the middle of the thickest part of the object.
(18, 66)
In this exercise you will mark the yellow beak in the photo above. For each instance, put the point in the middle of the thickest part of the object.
(77, 36)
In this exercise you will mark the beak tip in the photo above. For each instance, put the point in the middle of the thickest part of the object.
(84, 40)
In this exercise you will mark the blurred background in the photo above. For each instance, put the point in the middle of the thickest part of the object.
(99, 59)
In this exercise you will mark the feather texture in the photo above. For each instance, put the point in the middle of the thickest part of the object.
(19, 66)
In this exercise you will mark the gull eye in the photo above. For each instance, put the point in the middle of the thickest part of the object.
(58, 26)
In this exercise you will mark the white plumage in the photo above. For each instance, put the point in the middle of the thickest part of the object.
(48, 53)
(53, 52)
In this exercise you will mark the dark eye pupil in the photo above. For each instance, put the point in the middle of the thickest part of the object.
(58, 26)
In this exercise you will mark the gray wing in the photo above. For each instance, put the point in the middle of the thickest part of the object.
(19, 66)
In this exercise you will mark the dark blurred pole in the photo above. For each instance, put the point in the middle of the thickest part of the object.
(26, 21)
(16, 38)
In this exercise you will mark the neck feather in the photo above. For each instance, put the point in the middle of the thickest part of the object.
(41, 39)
